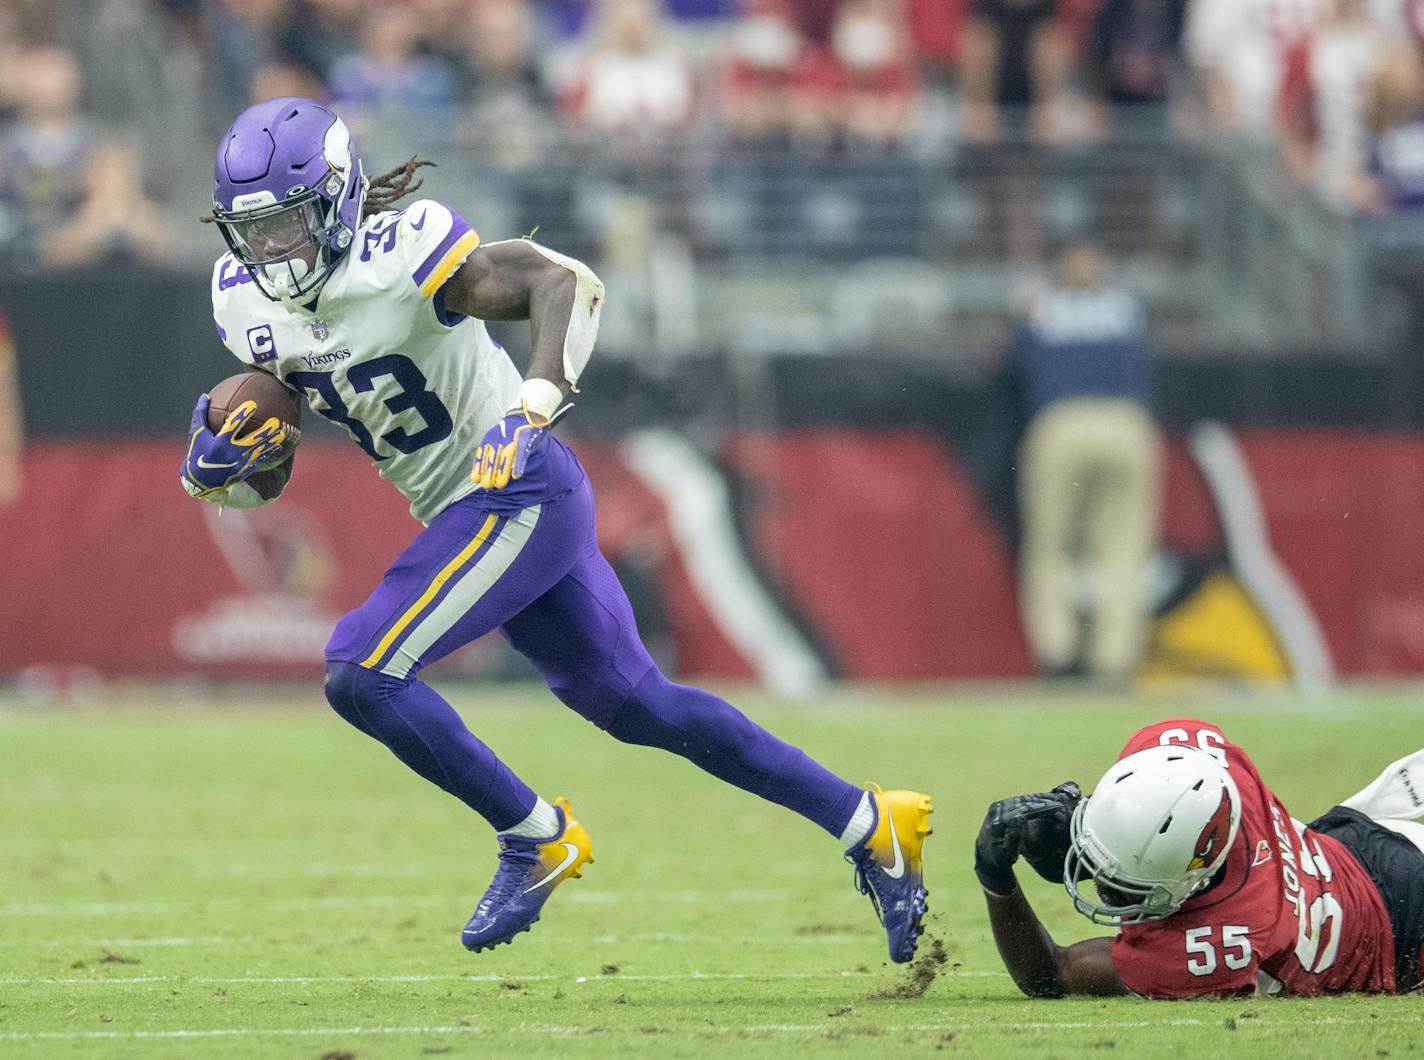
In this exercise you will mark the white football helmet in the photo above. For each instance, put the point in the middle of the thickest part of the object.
(1153, 833)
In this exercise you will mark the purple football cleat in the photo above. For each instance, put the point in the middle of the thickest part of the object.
(529, 870)
(889, 866)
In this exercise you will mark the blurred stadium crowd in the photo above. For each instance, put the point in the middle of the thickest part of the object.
(97, 97)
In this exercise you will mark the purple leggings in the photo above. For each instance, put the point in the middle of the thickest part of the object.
(537, 574)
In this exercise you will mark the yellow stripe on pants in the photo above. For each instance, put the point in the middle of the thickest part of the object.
(430, 593)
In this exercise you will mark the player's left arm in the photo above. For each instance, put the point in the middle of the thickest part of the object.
(1038, 965)
(517, 279)
(1036, 827)
(561, 298)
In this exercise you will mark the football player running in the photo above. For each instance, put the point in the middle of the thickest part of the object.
(375, 315)
(1213, 887)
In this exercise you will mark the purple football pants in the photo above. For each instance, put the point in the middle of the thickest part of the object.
(537, 574)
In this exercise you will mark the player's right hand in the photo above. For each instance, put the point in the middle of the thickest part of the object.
(216, 461)
(1028, 825)
(509, 449)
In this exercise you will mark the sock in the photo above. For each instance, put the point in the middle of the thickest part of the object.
(861, 822)
(426, 733)
(541, 823)
(712, 734)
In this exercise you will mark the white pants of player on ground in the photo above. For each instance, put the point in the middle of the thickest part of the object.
(1395, 798)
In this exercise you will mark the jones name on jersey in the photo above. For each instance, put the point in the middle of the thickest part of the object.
(414, 385)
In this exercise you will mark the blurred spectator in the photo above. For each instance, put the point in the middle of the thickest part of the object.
(11, 422)
(1346, 56)
(499, 52)
(116, 219)
(565, 19)
(303, 39)
(1133, 50)
(12, 50)
(44, 153)
(1014, 55)
(34, 21)
(242, 35)
(1253, 57)
(282, 78)
(635, 76)
(389, 77)
(1088, 471)
(815, 18)
(877, 83)
(1394, 176)
(316, 34)
(445, 29)
(1411, 14)
(777, 85)
(509, 109)
(936, 26)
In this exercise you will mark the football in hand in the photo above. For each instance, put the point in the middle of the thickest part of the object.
(274, 400)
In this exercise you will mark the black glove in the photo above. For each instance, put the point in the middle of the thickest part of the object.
(1035, 826)
(1046, 837)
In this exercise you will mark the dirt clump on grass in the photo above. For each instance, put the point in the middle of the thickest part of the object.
(921, 974)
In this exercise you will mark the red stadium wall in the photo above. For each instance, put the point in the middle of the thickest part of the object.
(879, 546)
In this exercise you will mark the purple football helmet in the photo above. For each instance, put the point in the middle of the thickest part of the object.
(287, 194)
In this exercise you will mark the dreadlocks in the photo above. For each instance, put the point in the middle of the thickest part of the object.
(393, 185)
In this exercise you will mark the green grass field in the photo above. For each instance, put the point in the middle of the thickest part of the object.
(257, 879)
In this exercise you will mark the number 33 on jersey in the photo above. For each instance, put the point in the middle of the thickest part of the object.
(414, 385)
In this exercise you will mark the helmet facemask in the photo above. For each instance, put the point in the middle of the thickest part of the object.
(289, 247)
(1121, 899)
(1155, 832)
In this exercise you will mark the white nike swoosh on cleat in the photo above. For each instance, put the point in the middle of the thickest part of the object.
(204, 463)
(560, 867)
(896, 870)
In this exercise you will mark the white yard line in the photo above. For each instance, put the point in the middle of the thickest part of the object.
(19, 909)
(827, 939)
(1295, 1020)
(110, 944)
(490, 978)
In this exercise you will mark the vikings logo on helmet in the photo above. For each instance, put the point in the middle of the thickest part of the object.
(1214, 835)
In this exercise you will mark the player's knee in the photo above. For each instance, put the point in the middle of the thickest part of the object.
(340, 688)
(352, 690)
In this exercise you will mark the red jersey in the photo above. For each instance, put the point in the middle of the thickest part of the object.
(1294, 911)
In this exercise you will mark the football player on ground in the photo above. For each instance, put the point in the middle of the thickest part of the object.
(376, 314)
(1213, 887)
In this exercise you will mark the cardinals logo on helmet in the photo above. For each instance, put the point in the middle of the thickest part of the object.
(1213, 837)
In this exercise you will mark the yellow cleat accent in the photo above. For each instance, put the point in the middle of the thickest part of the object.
(903, 820)
(567, 853)
(529, 870)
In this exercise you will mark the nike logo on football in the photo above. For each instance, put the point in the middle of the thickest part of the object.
(571, 852)
(204, 464)
(419, 225)
(896, 870)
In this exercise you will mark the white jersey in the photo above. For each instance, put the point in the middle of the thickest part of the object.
(415, 386)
